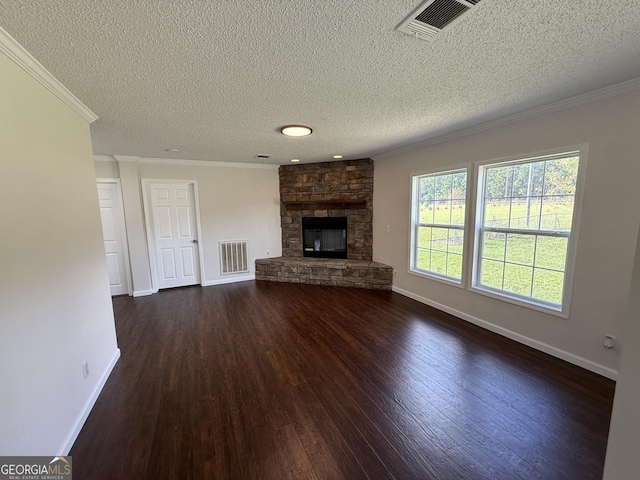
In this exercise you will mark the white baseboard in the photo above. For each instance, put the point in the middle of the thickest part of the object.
(530, 342)
(207, 283)
(142, 293)
(86, 410)
(223, 281)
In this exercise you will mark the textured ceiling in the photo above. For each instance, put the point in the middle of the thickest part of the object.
(216, 79)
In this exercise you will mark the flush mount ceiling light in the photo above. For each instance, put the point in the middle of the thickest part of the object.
(296, 130)
(337, 156)
(295, 160)
(172, 150)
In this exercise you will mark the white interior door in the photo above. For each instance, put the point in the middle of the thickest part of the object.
(113, 232)
(175, 237)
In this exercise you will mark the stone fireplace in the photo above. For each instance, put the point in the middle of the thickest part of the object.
(328, 189)
(331, 201)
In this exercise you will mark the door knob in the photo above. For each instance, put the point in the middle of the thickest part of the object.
(194, 241)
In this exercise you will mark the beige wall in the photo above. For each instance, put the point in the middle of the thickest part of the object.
(55, 307)
(107, 168)
(607, 234)
(235, 202)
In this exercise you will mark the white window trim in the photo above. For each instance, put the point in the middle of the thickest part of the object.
(415, 212)
(478, 184)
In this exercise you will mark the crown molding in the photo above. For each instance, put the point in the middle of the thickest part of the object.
(571, 102)
(175, 161)
(16, 52)
(125, 158)
(205, 163)
(104, 158)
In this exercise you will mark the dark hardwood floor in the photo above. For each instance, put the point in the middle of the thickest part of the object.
(261, 380)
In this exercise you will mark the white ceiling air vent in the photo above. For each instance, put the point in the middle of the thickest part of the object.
(434, 15)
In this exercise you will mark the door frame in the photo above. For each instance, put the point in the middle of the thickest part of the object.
(149, 232)
(123, 231)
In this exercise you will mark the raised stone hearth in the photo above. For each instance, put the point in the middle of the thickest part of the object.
(320, 190)
(324, 271)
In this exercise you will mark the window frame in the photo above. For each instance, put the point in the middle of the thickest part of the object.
(479, 184)
(415, 224)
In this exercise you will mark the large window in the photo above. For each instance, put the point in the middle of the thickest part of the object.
(438, 224)
(523, 239)
(524, 220)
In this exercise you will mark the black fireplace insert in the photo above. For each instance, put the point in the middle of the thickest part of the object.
(324, 237)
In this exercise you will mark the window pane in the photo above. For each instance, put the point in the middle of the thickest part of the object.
(520, 249)
(425, 200)
(424, 237)
(508, 191)
(538, 170)
(426, 188)
(457, 212)
(527, 179)
(440, 239)
(492, 273)
(521, 179)
(456, 240)
(426, 213)
(496, 213)
(442, 187)
(454, 265)
(493, 246)
(533, 210)
(525, 213)
(548, 285)
(423, 260)
(440, 251)
(442, 215)
(551, 253)
(439, 262)
(517, 279)
(517, 218)
(459, 190)
(560, 176)
(557, 213)
(497, 184)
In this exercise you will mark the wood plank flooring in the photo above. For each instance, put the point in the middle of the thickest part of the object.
(263, 380)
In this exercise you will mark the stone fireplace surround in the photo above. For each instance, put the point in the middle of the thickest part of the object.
(328, 189)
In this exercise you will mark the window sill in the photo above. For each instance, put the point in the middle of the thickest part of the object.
(532, 305)
(441, 279)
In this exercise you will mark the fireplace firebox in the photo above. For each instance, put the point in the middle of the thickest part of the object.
(324, 237)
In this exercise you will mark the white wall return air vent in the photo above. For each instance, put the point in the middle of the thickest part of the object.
(432, 16)
(233, 257)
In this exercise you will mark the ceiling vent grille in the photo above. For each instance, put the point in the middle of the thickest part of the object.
(432, 16)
